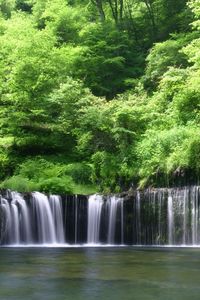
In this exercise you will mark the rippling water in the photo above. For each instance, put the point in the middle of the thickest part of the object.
(99, 273)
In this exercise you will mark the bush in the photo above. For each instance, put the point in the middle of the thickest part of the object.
(105, 172)
(56, 185)
(20, 184)
(166, 151)
(42, 175)
(56, 178)
(40, 168)
(80, 172)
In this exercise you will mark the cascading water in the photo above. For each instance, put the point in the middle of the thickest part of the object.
(6, 212)
(195, 215)
(150, 217)
(113, 204)
(170, 220)
(138, 218)
(95, 204)
(15, 223)
(40, 221)
(22, 219)
(44, 219)
(122, 221)
(76, 220)
(56, 208)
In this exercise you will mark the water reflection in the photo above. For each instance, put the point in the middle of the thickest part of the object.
(99, 273)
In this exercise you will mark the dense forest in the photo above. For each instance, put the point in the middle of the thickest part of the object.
(99, 95)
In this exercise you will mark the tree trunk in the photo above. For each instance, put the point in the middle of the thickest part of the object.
(99, 5)
(121, 9)
(152, 17)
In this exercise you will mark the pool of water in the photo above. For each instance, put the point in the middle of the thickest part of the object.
(99, 273)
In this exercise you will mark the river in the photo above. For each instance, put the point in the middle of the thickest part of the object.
(113, 273)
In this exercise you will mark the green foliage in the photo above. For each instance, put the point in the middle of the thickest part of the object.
(105, 170)
(107, 65)
(162, 56)
(81, 173)
(56, 185)
(6, 7)
(19, 183)
(84, 189)
(5, 160)
(94, 98)
(24, 5)
(194, 5)
(40, 174)
(167, 151)
(50, 177)
(65, 24)
(39, 167)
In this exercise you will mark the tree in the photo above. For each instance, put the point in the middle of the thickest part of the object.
(99, 5)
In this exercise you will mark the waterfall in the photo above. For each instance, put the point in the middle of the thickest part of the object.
(56, 208)
(8, 220)
(170, 220)
(122, 222)
(160, 204)
(42, 217)
(76, 220)
(17, 219)
(150, 217)
(95, 204)
(138, 218)
(15, 224)
(22, 218)
(195, 215)
(96, 207)
(113, 205)
(185, 215)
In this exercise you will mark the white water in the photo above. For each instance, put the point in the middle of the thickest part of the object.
(185, 215)
(195, 216)
(57, 213)
(170, 220)
(15, 223)
(160, 205)
(113, 204)
(95, 203)
(44, 219)
(43, 216)
(154, 217)
(76, 220)
(138, 218)
(22, 217)
(8, 220)
(122, 222)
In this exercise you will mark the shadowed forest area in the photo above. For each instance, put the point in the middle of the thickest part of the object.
(99, 95)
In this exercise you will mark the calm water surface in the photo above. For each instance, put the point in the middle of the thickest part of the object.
(99, 273)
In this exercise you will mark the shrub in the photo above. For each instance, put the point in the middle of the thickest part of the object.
(20, 184)
(56, 185)
(80, 172)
